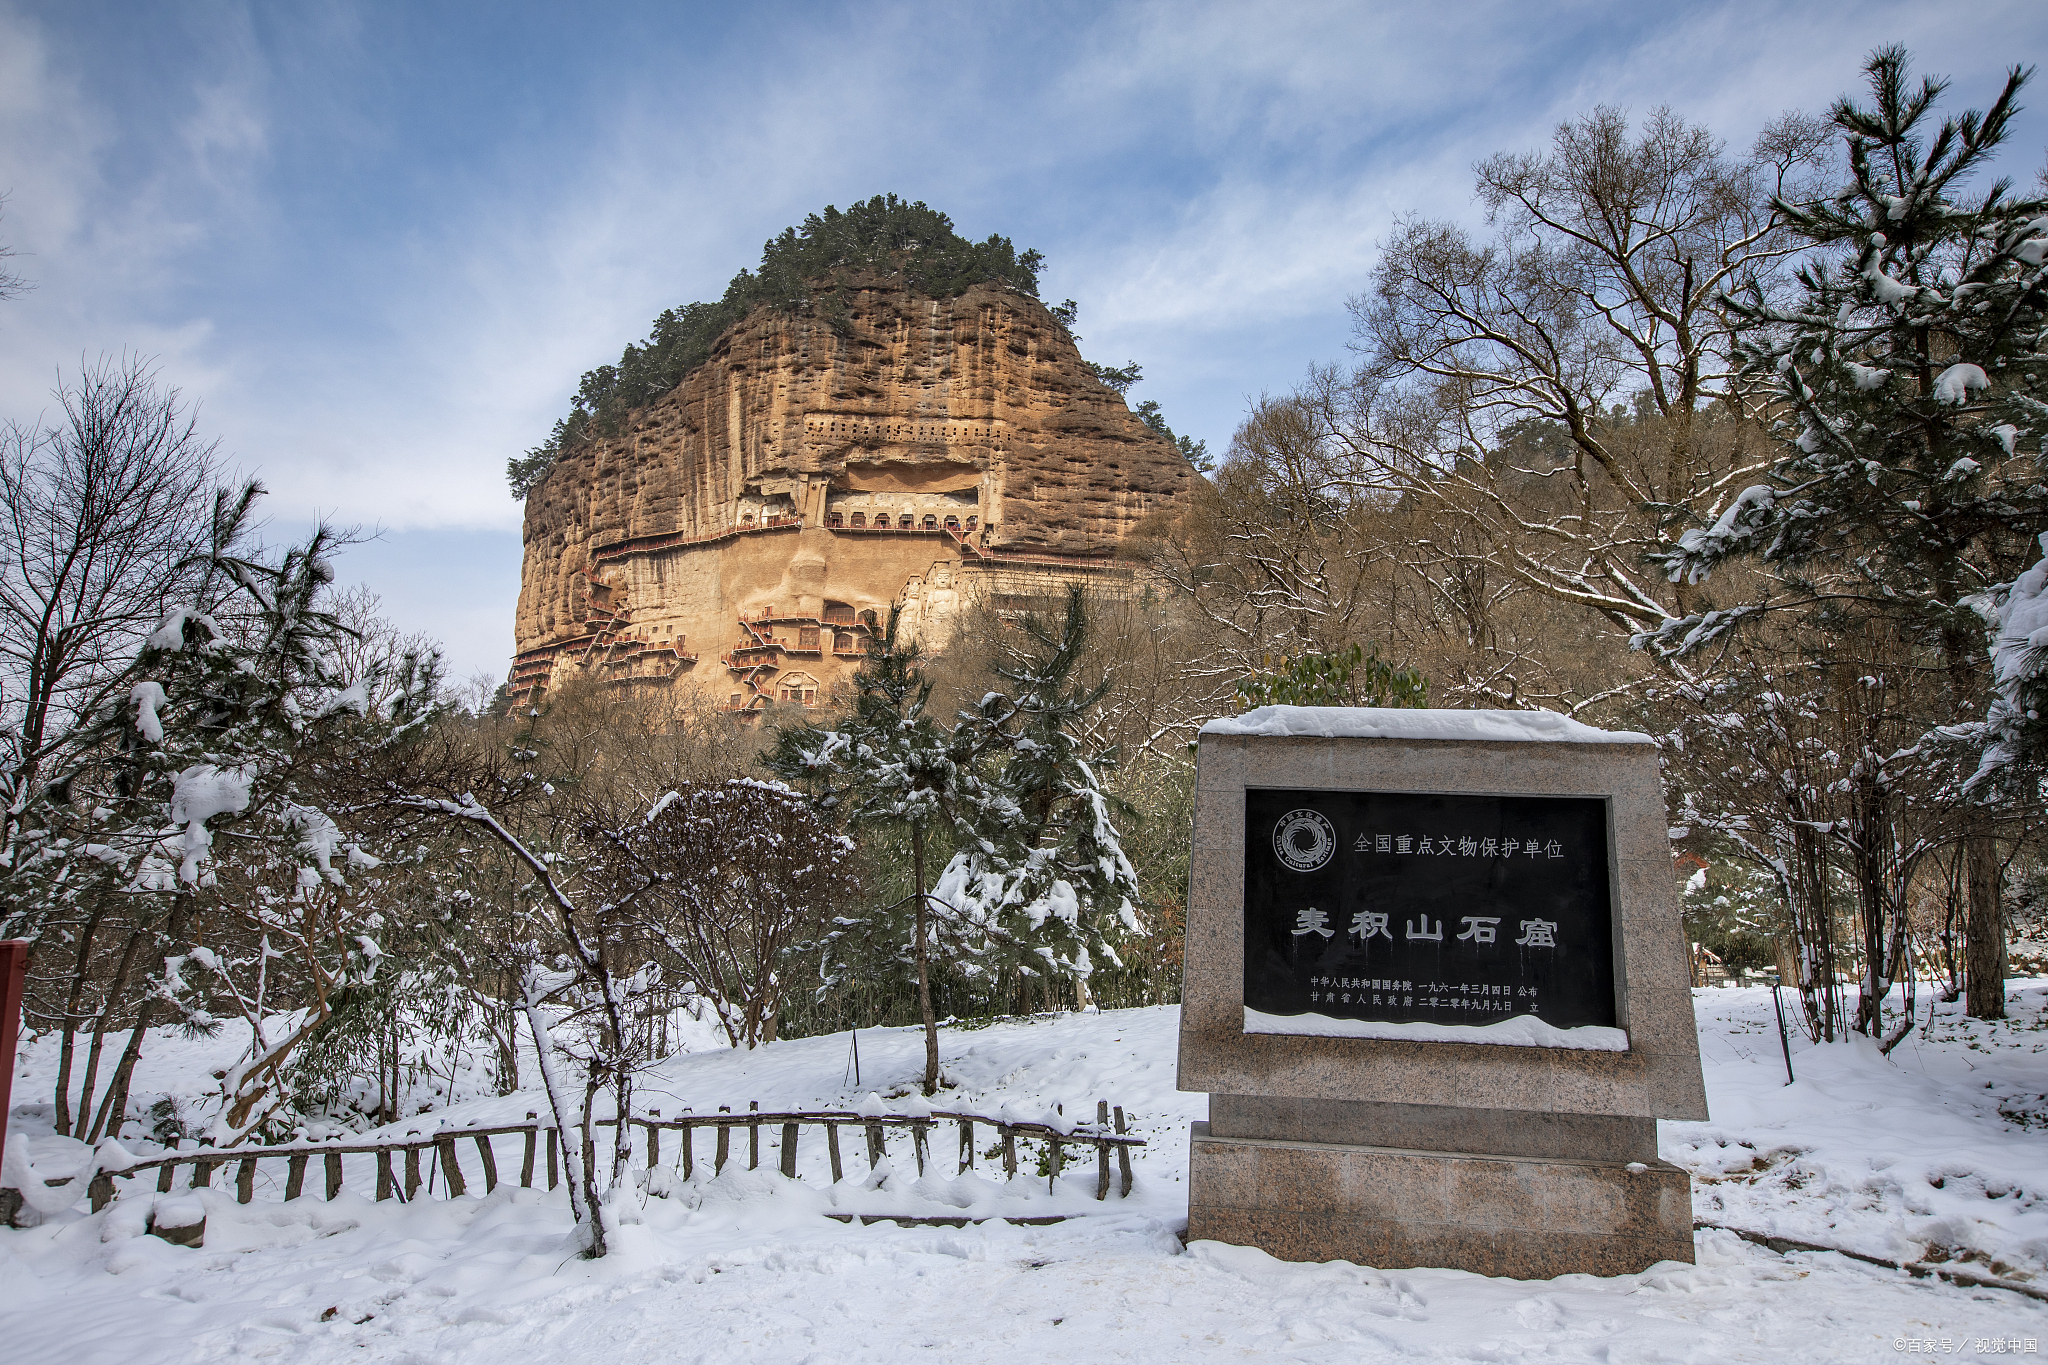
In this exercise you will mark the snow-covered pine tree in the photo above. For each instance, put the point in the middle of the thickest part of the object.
(889, 765)
(221, 729)
(1908, 384)
(1040, 877)
(444, 985)
(2015, 730)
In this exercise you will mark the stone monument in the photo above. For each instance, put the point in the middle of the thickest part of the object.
(1436, 988)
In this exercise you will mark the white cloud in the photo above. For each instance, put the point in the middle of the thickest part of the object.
(97, 246)
(1335, 121)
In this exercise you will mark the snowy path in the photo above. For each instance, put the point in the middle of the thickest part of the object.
(1881, 1157)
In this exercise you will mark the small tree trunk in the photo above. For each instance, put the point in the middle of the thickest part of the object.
(108, 1003)
(92, 1071)
(1984, 937)
(924, 977)
(507, 1037)
(71, 1021)
(1787, 958)
(622, 1132)
(64, 1051)
(750, 1023)
(115, 1106)
(1806, 891)
(588, 1215)
(387, 1078)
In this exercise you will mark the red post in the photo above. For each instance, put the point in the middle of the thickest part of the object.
(13, 981)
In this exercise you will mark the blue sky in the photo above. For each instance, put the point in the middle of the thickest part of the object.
(379, 242)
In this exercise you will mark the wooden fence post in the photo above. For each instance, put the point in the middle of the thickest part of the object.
(103, 1187)
(1101, 1151)
(490, 1160)
(451, 1168)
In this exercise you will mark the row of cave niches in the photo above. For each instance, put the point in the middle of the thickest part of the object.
(860, 521)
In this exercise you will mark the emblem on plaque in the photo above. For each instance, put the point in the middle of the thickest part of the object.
(1304, 840)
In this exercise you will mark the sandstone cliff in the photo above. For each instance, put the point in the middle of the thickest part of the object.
(803, 466)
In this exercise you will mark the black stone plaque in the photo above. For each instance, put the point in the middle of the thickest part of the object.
(1404, 907)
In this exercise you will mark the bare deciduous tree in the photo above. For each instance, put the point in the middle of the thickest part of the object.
(724, 880)
(101, 517)
(1298, 551)
(12, 283)
(370, 651)
(1600, 289)
(1810, 756)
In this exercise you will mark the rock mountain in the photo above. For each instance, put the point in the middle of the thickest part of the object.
(744, 533)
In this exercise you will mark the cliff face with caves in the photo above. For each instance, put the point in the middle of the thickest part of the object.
(807, 479)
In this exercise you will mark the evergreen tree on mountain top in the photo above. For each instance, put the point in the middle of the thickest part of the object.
(807, 271)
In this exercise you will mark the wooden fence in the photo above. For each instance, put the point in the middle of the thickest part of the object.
(1108, 1134)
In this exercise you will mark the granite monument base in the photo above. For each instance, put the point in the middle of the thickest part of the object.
(1524, 1216)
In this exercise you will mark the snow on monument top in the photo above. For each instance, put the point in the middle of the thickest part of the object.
(1381, 722)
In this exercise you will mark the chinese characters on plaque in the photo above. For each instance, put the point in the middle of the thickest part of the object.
(1404, 907)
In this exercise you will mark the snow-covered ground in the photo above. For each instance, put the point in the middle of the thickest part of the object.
(1935, 1153)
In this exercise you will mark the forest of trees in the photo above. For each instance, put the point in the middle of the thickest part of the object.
(1739, 448)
